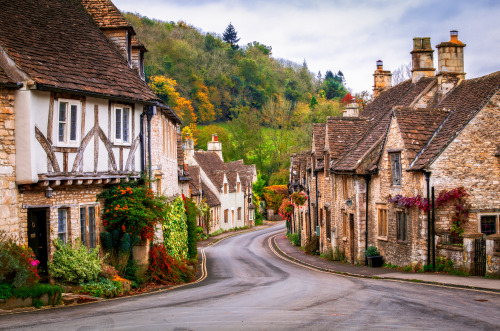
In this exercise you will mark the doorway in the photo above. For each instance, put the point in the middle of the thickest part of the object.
(37, 237)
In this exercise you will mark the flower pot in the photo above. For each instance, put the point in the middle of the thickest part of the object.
(375, 261)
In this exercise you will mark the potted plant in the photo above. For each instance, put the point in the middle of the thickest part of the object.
(374, 257)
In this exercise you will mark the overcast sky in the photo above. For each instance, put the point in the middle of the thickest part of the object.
(344, 35)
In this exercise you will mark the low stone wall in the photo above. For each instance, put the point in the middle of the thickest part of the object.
(493, 254)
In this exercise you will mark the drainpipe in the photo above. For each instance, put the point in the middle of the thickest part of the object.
(143, 157)
(367, 180)
(428, 181)
(433, 234)
(150, 112)
(317, 203)
(309, 208)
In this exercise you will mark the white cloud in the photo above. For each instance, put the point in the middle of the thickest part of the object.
(343, 35)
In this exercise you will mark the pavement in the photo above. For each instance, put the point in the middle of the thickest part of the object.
(282, 243)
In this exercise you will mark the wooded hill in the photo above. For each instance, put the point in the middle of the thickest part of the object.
(262, 108)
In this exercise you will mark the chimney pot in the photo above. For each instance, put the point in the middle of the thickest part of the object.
(380, 64)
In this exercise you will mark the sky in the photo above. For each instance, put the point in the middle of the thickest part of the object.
(345, 35)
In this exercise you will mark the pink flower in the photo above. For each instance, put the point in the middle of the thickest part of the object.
(35, 263)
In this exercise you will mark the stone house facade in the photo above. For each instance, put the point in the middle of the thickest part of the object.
(75, 116)
(432, 131)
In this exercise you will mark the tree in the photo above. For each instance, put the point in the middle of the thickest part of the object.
(401, 74)
(231, 36)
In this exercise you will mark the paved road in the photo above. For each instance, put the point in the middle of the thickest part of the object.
(250, 288)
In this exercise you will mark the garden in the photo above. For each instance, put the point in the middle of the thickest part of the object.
(146, 242)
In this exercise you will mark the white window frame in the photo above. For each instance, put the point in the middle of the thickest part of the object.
(62, 226)
(119, 140)
(67, 135)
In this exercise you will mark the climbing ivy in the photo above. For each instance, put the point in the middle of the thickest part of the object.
(175, 233)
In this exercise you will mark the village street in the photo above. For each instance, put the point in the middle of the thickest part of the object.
(248, 287)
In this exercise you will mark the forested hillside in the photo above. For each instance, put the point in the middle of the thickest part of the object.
(262, 108)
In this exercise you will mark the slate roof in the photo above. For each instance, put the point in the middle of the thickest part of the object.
(106, 15)
(464, 102)
(319, 139)
(194, 183)
(342, 132)
(378, 116)
(417, 126)
(210, 197)
(58, 45)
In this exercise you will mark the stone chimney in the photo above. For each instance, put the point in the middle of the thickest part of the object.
(382, 79)
(450, 63)
(188, 149)
(422, 59)
(352, 109)
(215, 146)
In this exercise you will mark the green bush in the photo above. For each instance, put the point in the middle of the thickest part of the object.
(258, 218)
(119, 246)
(73, 263)
(5, 291)
(192, 233)
(36, 291)
(175, 232)
(294, 239)
(132, 273)
(18, 264)
(105, 288)
(372, 251)
(312, 245)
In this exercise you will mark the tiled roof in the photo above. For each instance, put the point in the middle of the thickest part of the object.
(6, 80)
(211, 198)
(180, 151)
(464, 102)
(378, 116)
(417, 126)
(195, 185)
(213, 166)
(342, 133)
(106, 15)
(58, 45)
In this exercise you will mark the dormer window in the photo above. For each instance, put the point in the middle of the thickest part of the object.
(67, 121)
(121, 121)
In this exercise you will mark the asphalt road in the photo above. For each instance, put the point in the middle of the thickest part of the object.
(249, 288)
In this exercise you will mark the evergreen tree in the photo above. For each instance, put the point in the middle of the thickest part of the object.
(231, 36)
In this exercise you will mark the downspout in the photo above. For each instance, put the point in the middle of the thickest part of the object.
(432, 233)
(143, 157)
(428, 181)
(317, 204)
(150, 112)
(367, 180)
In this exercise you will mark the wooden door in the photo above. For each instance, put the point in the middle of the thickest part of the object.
(351, 236)
(37, 237)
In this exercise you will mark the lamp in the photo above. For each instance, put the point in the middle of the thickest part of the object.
(348, 202)
(251, 212)
(48, 192)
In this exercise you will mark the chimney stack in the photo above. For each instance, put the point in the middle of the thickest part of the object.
(215, 146)
(450, 63)
(382, 79)
(422, 59)
(188, 149)
(352, 109)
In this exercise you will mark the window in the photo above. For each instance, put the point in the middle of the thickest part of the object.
(225, 188)
(67, 122)
(328, 224)
(382, 222)
(239, 213)
(345, 187)
(401, 225)
(238, 187)
(226, 215)
(232, 215)
(62, 225)
(396, 168)
(489, 224)
(88, 226)
(344, 224)
(122, 125)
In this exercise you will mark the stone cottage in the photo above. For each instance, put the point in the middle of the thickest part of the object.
(433, 132)
(75, 115)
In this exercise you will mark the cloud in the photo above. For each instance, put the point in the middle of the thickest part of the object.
(341, 34)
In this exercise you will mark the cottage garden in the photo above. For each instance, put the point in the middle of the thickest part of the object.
(133, 217)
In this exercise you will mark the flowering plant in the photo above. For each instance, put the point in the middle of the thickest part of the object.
(286, 210)
(299, 198)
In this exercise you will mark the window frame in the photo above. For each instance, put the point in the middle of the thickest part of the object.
(496, 223)
(64, 233)
(401, 231)
(239, 213)
(225, 188)
(71, 127)
(396, 170)
(119, 140)
(91, 244)
(344, 224)
(226, 216)
(382, 226)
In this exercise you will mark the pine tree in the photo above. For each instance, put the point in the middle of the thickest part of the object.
(231, 36)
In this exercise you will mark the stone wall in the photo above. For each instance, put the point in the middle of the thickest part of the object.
(119, 38)
(9, 197)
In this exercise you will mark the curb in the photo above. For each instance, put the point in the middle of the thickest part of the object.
(291, 259)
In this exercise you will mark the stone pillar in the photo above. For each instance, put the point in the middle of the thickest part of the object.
(468, 251)
(140, 253)
(493, 254)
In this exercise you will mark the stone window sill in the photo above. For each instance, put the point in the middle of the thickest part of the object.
(383, 239)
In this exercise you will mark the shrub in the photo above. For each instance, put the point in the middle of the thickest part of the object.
(339, 255)
(73, 263)
(18, 264)
(294, 239)
(106, 288)
(108, 271)
(5, 291)
(132, 273)
(286, 210)
(119, 246)
(372, 251)
(164, 269)
(258, 218)
(36, 291)
(192, 233)
(312, 245)
(175, 231)
(273, 195)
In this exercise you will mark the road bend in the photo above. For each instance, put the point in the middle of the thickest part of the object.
(248, 287)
